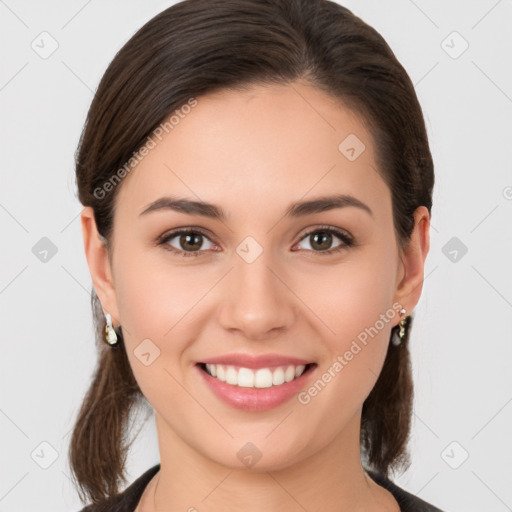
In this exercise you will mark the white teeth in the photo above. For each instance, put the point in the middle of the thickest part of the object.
(221, 374)
(231, 376)
(278, 377)
(245, 378)
(212, 368)
(261, 378)
(289, 374)
(299, 370)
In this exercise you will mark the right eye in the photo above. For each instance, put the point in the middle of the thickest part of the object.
(189, 242)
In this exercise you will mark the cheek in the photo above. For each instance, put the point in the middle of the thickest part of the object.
(352, 296)
(156, 308)
(354, 306)
(162, 307)
(156, 296)
(360, 313)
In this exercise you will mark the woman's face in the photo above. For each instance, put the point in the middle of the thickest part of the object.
(264, 271)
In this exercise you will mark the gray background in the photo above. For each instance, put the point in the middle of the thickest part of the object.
(461, 339)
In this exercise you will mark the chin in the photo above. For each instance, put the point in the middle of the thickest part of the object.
(259, 456)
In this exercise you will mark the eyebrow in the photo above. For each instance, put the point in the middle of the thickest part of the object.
(297, 209)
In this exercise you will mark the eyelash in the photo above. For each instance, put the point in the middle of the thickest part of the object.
(344, 237)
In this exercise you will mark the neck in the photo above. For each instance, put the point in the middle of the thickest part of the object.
(331, 479)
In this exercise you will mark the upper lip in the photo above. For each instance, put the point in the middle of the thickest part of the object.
(251, 361)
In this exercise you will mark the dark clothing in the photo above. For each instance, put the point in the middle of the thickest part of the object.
(407, 502)
(127, 500)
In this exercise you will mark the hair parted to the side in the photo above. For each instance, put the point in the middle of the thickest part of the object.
(201, 46)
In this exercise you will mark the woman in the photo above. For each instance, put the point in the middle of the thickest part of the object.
(257, 184)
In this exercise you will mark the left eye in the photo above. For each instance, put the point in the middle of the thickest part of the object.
(321, 240)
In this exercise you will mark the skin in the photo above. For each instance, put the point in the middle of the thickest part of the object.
(254, 153)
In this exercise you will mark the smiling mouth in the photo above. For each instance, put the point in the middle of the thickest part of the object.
(256, 378)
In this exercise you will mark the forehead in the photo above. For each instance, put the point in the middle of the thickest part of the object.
(266, 144)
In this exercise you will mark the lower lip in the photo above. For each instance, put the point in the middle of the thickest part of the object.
(255, 399)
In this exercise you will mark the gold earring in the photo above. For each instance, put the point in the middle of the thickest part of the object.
(398, 337)
(111, 335)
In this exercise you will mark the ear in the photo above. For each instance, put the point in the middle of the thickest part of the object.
(412, 264)
(99, 263)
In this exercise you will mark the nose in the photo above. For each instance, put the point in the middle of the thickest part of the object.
(258, 303)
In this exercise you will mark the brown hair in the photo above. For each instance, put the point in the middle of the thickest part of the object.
(200, 46)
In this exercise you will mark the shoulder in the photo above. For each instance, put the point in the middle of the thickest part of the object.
(407, 501)
(127, 500)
